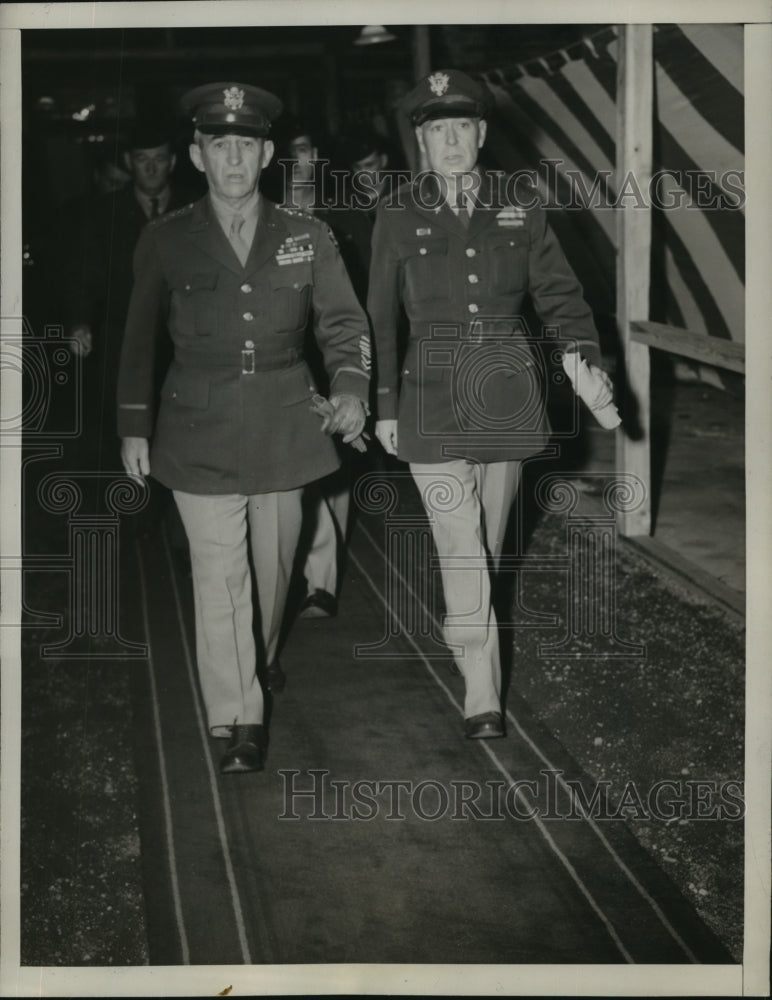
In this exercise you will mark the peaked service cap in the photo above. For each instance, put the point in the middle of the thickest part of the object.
(228, 107)
(446, 93)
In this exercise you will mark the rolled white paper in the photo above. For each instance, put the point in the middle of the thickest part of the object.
(587, 386)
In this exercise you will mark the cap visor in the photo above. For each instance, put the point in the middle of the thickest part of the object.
(233, 128)
(448, 109)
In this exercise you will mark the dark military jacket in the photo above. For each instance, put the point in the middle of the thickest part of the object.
(234, 415)
(353, 229)
(100, 271)
(98, 277)
(471, 384)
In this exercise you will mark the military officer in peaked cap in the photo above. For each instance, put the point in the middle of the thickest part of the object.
(236, 279)
(466, 407)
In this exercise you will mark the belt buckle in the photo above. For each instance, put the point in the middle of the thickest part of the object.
(248, 361)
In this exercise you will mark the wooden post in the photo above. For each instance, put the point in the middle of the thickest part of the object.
(333, 103)
(635, 74)
(422, 58)
(422, 66)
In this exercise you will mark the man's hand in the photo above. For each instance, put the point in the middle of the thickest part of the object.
(83, 341)
(348, 418)
(386, 432)
(135, 455)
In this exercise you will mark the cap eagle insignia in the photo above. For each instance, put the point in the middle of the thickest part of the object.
(438, 83)
(234, 98)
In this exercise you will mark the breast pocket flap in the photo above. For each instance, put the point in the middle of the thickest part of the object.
(203, 281)
(429, 246)
(515, 238)
(292, 276)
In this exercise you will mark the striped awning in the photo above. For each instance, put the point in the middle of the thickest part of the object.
(557, 115)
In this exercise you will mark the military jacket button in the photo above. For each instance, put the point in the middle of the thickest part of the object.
(423, 250)
(246, 287)
(473, 307)
(248, 316)
(470, 251)
(473, 279)
(249, 344)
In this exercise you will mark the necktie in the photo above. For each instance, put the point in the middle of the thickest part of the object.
(462, 209)
(237, 241)
(154, 213)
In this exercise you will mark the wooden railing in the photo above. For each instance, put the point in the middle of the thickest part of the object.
(708, 350)
(634, 456)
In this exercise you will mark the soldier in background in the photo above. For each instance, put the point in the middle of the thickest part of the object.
(98, 271)
(328, 502)
(366, 156)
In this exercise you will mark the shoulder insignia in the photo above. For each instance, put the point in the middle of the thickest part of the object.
(333, 240)
(296, 213)
(168, 216)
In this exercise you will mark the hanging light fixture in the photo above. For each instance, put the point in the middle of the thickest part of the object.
(373, 34)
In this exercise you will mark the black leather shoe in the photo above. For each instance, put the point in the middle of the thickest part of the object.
(320, 604)
(486, 726)
(275, 677)
(245, 750)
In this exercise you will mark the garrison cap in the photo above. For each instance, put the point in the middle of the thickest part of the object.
(238, 108)
(290, 128)
(357, 147)
(149, 133)
(447, 93)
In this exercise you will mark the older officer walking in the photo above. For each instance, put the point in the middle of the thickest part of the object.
(466, 407)
(236, 278)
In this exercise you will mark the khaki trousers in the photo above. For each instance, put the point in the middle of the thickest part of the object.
(222, 530)
(468, 506)
(330, 502)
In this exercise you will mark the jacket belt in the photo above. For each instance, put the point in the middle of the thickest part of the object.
(247, 361)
